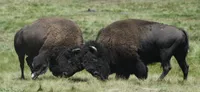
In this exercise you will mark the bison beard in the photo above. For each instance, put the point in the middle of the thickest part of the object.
(125, 47)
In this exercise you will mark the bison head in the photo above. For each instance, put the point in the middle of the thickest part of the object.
(40, 65)
(95, 60)
(62, 61)
(67, 61)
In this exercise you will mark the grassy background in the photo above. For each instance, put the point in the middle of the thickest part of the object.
(14, 14)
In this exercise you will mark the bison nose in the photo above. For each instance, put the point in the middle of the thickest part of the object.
(95, 73)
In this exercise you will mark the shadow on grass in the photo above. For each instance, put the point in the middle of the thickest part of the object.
(77, 79)
(38, 79)
(19, 78)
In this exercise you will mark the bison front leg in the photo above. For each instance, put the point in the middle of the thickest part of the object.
(55, 69)
(141, 70)
(122, 75)
(29, 61)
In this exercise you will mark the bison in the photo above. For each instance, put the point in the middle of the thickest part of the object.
(39, 40)
(127, 46)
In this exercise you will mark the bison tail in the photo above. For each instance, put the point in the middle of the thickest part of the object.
(17, 39)
(186, 39)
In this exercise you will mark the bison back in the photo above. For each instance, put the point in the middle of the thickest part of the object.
(61, 32)
(123, 36)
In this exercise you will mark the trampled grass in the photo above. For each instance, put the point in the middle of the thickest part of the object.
(14, 14)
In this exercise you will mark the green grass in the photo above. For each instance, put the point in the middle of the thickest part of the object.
(14, 14)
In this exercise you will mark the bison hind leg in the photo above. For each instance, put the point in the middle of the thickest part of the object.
(21, 60)
(180, 56)
(166, 69)
(165, 56)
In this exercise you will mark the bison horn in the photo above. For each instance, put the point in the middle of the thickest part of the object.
(34, 76)
(76, 49)
(93, 48)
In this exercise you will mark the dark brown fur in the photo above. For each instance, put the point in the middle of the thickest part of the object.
(123, 34)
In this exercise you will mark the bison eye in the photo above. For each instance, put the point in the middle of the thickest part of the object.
(69, 61)
(68, 56)
(99, 66)
(36, 68)
(33, 65)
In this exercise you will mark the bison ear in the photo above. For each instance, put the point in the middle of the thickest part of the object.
(76, 50)
(93, 49)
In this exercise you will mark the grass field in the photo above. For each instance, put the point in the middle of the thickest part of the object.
(14, 14)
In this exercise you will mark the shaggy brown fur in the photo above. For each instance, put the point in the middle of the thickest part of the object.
(60, 32)
(123, 34)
